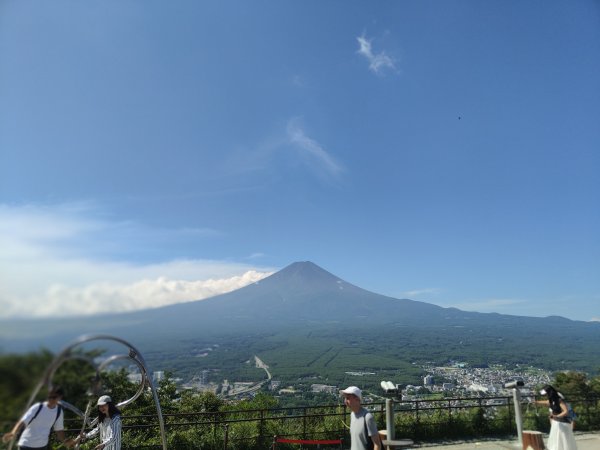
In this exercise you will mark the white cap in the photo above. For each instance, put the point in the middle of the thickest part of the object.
(543, 392)
(104, 400)
(353, 390)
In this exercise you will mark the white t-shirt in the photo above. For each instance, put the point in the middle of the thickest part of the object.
(362, 427)
(37, 432)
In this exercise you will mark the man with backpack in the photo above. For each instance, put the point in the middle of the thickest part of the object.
(39, 420)
(363, 430)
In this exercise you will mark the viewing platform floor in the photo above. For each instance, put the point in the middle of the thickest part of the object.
(585, 441)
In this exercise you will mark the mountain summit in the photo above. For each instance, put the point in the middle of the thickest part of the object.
(301, 293)
(305, 300)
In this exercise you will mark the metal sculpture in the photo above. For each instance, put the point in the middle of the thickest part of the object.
(67, 354)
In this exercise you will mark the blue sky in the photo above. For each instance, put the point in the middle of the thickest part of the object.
(153, 152)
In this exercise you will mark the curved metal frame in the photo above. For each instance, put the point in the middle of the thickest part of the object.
(133, 355)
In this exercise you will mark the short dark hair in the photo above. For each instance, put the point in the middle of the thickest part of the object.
(56, 391)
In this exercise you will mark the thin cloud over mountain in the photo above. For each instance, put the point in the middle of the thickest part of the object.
(110, 297)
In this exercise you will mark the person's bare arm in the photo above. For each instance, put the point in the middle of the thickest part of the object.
(564, 411)
(376, 442)
(61, 436)
(12, 433)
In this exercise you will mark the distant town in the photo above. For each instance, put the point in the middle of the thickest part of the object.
(455, 379)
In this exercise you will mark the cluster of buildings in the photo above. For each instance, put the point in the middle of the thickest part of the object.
(453, 380)
(461, 379)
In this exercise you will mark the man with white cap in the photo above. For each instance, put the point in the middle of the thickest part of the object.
(363, 429)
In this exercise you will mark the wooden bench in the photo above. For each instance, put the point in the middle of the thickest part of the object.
(532, 440)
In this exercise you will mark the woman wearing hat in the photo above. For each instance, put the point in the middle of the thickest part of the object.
(561, 433)
(109, 426)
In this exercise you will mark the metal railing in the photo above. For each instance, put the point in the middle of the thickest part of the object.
(420, 420)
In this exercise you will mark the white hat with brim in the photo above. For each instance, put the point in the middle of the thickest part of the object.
(104, 400)
(352, 390)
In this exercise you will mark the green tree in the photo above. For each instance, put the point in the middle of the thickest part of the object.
(574, 384)
(19, 375)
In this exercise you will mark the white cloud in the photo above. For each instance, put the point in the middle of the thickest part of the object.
(51, 265)
(421, 292)
(101, 297)
(298, 81)
(488, 305)
(377, 62)
(317, 156)
(258, 167)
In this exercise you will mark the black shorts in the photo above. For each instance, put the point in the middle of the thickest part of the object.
(45, 447)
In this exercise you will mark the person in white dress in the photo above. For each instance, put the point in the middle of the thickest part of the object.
(561, 432)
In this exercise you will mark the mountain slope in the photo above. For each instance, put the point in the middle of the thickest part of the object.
(305, 301)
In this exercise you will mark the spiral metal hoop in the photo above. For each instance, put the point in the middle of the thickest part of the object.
(133, 355)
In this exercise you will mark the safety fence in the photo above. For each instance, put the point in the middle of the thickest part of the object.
(419, 420)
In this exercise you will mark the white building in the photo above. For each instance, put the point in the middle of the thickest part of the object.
(324, 388)
(158, 375)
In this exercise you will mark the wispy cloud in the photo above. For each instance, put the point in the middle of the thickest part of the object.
(378, 62)
(315, 155)
(54, 262)
(298, 81)
(258, 166)
(488, 305)
(421, 292)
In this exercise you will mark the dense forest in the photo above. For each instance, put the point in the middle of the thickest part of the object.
(326, 355)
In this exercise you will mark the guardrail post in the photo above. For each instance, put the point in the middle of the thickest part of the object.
(304, 422)
(261, 427)
(509, 416)
(225, 435)
(417, 423)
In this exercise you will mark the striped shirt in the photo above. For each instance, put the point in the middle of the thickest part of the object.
(110, 433)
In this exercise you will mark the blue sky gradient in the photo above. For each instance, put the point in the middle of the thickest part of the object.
(153, 152)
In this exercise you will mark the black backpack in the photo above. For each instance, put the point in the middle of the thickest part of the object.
(370, 445)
